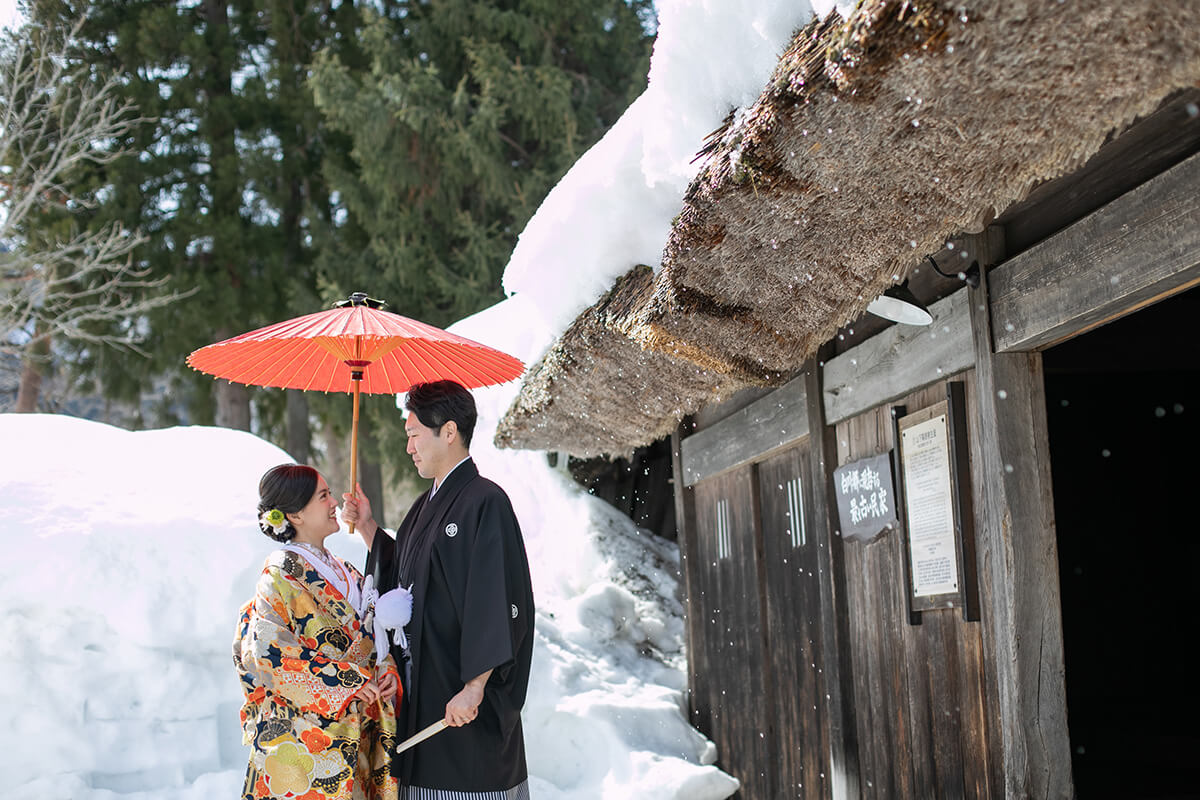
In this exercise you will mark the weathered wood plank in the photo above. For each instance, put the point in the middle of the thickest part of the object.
(831, 575)
(794, 617)
(1142, 247)
(735, 682)
(690, 566)
(980, 700)
(920, 690)
(1018, 549)
(899, 360)
(766, 426)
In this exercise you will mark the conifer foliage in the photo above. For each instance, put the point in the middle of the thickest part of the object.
(469, 113)
(290, 152)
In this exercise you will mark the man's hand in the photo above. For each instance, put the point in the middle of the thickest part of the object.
(464, 706)
(356, 511)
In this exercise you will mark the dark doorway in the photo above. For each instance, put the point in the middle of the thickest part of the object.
(1123, 407)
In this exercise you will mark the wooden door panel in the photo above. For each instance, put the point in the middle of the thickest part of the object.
(801, 730)
(731, 691)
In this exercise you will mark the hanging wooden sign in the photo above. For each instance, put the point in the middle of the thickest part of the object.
(866, 497)
(933, 463)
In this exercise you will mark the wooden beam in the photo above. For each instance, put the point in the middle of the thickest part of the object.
(899, 360)
(837, 664)
(762, 428)
(685, 522)
(1017, 556)
(1140, 248)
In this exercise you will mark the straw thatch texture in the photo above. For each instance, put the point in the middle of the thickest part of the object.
(635, 395)
(875, 140)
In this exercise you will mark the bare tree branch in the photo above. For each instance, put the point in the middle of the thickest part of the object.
(53, 120)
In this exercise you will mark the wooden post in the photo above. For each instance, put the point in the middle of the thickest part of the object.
(835, 627)
(1018, 555)
(685, 522)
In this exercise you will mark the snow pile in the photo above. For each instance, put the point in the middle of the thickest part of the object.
(130, 553)
(613, 209)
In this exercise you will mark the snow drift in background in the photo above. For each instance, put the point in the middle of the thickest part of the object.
(130, 553)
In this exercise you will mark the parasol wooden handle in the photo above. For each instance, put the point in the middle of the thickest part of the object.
(417, 738)
(354, 447)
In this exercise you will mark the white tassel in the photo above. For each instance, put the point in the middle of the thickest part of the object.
(393, 610)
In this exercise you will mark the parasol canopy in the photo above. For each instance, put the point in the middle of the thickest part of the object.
(322, 351)
(355, 347)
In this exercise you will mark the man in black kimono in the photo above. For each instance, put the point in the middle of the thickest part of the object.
(470, 639)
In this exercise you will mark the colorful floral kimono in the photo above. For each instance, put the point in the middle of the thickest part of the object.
(302, 653)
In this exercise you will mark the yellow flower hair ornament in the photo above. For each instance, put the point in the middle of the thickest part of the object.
(273, 518)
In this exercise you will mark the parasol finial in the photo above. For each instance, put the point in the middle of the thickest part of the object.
(360, 299)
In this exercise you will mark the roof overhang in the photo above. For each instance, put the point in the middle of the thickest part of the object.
(876, 140)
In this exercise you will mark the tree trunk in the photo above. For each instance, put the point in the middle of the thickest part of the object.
(33, 370)
(299, 431)
(218, 128)
(233, 406)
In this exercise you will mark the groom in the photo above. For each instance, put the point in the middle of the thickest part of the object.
(470, 639)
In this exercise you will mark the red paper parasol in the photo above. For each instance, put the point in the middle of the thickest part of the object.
(355, 347)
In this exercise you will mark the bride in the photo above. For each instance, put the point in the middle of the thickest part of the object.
(319, 710)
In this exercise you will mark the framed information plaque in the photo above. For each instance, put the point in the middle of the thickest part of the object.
(933, 463)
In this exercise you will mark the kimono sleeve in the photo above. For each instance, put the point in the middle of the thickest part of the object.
(486, 616)
(283, 664)
(381, 561)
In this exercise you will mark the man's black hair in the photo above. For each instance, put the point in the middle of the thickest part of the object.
(438, 402)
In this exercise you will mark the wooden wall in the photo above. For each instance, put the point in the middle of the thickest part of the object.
(730, 697)
(793, 600)
(757, 668)
(922, 692)
(947, 707)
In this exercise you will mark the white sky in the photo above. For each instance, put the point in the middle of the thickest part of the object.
(9, 17)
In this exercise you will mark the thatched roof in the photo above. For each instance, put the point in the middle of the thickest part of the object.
(875, 140)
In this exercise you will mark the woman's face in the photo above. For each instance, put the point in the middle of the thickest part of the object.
(319, 517)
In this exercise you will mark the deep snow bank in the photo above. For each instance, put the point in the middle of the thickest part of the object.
(129, 553)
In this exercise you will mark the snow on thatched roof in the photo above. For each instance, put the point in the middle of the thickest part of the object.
(876, 139)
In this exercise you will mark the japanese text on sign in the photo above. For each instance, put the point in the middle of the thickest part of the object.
(864, 495)
(928, 495)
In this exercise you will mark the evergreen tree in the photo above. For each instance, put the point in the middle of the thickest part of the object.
(467, 115)
(299, 151)
(470, 112)
(225, 180)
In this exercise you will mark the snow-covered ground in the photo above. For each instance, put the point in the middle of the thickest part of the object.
(130, 553)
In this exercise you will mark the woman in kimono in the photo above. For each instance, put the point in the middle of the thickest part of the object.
(319, 698)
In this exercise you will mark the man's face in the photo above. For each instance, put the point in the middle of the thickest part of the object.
(428, 447)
